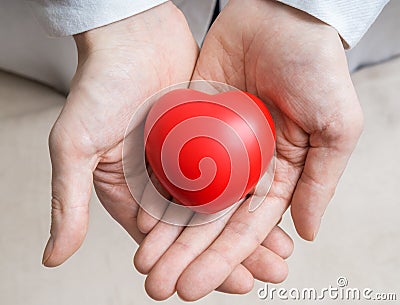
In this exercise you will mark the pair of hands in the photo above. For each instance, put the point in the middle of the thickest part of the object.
(280, 54)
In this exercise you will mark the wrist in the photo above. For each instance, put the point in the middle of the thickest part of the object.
(287, 18)
(107, 36)
(123, 33)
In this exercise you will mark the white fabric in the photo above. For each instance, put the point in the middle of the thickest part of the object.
(351, 19)
(381, 42)
(68, 17)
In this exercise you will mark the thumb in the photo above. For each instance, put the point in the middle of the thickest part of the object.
(71, 191)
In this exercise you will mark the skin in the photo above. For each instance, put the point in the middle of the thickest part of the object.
(297, 65)
(120, 65)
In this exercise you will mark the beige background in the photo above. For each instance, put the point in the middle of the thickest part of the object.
(359, 238)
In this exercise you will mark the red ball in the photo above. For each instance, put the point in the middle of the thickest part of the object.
(209, 151)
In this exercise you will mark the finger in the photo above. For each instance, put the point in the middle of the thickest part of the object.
(323, 168)
(216, 263)
(71, 191)
(161, 282)
(121, 206)
(266, 266)
(165, 275)
(158, 241)
(279, 242)
(152, 209)
(145, 221)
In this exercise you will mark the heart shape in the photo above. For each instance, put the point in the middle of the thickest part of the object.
(209, 151)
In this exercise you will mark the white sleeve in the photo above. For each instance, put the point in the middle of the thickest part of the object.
(351, 18)
(69, 17)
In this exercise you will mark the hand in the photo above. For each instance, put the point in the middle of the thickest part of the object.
(297, 65)
(120, 66)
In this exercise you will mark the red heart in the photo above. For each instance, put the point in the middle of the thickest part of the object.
(209, 151)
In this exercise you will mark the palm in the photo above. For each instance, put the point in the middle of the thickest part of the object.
(127, 87)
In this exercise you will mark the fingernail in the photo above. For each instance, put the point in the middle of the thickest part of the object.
(48, 250)
(316, 230)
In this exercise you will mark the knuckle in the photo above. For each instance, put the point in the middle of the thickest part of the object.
(228, 263)
(314, 184)
(343, 127)
(183, 247)
(56, 204)
(60, 206)
(242, 230)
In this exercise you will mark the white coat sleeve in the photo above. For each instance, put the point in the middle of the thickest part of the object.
(351, 18)
(69, 17)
